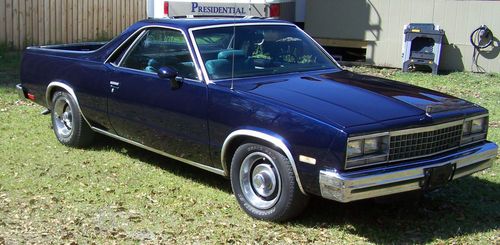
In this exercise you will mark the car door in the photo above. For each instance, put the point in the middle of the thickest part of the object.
(146, 109)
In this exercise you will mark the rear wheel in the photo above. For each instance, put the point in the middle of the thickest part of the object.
(67, 121)
(264, 183)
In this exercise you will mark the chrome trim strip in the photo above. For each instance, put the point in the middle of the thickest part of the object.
(200, 60)
(51, 48)
(368, 136)
(368, 157)
(268, 138)
(322, 49)
(71, 92)
(151, 73)
(476, 117)
(121, 44)
(481, 135)
(351, 186)
(47, 48)
(199, 165)
(240, 24)
(426, 129)
(132, 45)
(198, 70)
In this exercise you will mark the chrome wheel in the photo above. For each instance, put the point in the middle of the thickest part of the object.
(63, 117)
(68, 123)
(264, 184)
(260, 180)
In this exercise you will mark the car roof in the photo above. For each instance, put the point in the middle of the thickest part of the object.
(187, 23)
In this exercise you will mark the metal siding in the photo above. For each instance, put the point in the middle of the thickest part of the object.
(380, 22)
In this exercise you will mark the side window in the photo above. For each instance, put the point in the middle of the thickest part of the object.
(161, 47)
(120, 52)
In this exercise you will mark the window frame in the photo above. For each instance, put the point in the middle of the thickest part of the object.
(142, 31)
(127, 51)
(202, 65)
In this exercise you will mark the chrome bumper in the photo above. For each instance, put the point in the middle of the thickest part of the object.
(20, 91)
(362, 184)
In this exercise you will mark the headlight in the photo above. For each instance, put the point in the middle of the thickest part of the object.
(355, 148)
(474, 129)
(364, 150)
(466, 127)
(372, 145)
(477, 125)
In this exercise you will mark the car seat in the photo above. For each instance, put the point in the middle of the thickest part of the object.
(222, 66)
(152, 66)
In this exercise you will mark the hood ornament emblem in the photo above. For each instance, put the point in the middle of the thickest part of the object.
(447, 105)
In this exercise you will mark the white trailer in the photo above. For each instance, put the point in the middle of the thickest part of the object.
(282, 9)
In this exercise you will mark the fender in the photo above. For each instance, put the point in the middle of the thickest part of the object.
(58, 84)
(262, 136)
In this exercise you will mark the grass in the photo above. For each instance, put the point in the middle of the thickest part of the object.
(118, 193)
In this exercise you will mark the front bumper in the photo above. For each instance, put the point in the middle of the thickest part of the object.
(386, 180)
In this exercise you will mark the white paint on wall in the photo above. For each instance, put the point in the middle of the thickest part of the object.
(300, 10)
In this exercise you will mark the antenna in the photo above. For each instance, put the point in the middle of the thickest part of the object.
(233, 46)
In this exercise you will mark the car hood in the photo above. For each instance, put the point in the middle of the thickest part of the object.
(347, 99)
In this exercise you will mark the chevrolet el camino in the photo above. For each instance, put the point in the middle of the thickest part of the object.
(259, 102)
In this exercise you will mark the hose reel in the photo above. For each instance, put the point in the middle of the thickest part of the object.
(481, 38)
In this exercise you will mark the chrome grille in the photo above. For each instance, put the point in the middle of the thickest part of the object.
(424, 143)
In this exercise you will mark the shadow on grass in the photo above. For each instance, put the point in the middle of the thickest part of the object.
(173, 166)
(465, 206)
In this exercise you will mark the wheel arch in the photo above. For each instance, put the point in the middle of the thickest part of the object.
(234, 139)
(55, 86)
(59, 85)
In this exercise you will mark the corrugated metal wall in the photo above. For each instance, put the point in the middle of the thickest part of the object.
(378, 24)
(38, 22)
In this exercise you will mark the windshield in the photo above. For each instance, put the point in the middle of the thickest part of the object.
(245, 51)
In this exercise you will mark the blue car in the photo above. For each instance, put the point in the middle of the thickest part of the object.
(259, 102)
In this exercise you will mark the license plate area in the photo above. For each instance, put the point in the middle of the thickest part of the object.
(437, 176)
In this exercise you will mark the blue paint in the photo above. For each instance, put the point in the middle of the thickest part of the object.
(314, 112)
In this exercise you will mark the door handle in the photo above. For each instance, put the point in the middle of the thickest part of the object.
(114, 86)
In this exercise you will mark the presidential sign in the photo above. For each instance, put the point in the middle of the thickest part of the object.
(282, 9)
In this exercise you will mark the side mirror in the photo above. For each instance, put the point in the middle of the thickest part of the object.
(165, 72)
(171, 74)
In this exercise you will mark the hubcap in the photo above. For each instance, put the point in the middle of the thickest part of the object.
(260, 180)
(63, 117)
(264, 180)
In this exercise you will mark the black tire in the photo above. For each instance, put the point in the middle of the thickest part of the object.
(69, 126)
(257, 197)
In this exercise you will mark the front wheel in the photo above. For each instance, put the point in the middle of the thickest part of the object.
(68, 123)
(264, 184)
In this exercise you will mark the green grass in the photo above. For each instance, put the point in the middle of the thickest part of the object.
(118, 193)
